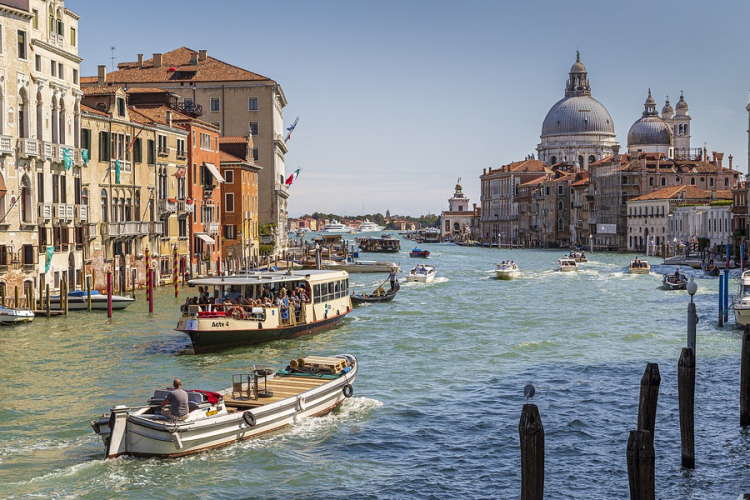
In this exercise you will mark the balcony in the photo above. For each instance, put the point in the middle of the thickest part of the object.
(82, 214)
(166, 208)
(162, 151)
(181, 154)
(125, 166)
(189, 108)
(282, 190)
(211, 228)
(123, 229)
(44, 211)
(184, 208)
(155, 228)
(27, 148)
(48, 150)
(65, 212)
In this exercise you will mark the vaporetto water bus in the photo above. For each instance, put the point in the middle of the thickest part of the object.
(228, 320)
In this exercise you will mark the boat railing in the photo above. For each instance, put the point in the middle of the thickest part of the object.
(241, 312)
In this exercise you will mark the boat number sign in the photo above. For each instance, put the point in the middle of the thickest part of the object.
(219, 324)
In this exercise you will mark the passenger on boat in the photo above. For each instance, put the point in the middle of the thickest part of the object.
(203, 294)
(283, 303)
(177, 399)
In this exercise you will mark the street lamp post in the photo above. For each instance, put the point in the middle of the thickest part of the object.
(591, 243)
(692, 287)
(675, 247)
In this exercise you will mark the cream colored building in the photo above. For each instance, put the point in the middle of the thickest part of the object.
(234, 99)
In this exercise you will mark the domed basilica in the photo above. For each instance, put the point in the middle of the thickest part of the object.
(578, 129)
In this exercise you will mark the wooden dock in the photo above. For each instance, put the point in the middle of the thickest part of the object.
(52, 312)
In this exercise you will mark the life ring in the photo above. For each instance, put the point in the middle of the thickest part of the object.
(301, 403)
(249, 418)
(348, 390)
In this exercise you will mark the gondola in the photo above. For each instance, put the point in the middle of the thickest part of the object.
(375, 297)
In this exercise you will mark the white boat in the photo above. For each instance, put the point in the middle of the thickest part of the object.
(567, 264)
(78, 301)
(301, 232)
(369, 227)
(507, 271)
(336, 227)
(675, 281)
(421, 274)
(693, 261)
(11, 316)
(222, 325)
(741, 301)
(638, 266)
(364, 266)
(257, 403)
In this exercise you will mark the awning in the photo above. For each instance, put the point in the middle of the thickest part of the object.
(206, 238)
(3, 189)
(215, 171)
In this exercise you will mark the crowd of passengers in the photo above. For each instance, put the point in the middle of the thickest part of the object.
(283, 298)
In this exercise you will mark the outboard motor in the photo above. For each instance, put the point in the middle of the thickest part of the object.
(118, 424)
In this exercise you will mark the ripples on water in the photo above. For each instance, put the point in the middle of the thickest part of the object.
(437, 402)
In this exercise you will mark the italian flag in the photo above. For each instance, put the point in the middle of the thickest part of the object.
(293, 177)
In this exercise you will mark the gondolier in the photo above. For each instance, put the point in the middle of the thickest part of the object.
(392, 277)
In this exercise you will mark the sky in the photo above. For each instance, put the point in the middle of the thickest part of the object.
(399, 99)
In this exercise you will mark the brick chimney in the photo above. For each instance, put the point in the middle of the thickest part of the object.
(140, 60)
(719, 157)
(202, 55)
(193, 58)
(157, 60)
(101, 74)
(730, 161)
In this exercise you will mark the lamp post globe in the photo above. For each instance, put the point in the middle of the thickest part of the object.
(692, 287)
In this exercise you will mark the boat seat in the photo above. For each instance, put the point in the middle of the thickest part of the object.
(196, 400)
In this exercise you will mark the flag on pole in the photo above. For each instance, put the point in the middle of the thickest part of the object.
(117, 171)
(67, 159)
(290, 128)
(85, 156)
(50, 252)
(293, 177)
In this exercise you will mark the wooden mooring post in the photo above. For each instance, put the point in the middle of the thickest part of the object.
(531, 433)
(46, 300)
(16, 303)
(686, 396)
(641, 461)
(745, 379)
(64, 294)
(649, 398)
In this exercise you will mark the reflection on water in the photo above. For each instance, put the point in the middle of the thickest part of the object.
(438, 396)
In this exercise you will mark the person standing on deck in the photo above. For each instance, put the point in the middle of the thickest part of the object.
(392, 277)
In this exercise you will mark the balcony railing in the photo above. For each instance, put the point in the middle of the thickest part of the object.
(48, 150)
(155, 228)
(82, 213)
(119, 229)
(65, 212)
(28, 148)
(167, 207)
(185, 208)
(211, 228)
(181, 155)
(189, 108)
(45, 211)
(282, 189)
(6, 145)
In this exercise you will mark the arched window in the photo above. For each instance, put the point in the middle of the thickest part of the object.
(650, 181)
(128, 207)
(51, 19)
(55, 120)
(26, 204)
(39, 117)
(456, 226)
(85, 196)
(553, 160)
(592, 159)
(162, 183)
(137, 205)
(640, 210)
(560, 189)
(60, 27)
(560, 224)
(580, 162)
(105, 206)
(560, 206)
(23, 114)
(624, 179)
(692, 181)
(62, 121)
(663, 181)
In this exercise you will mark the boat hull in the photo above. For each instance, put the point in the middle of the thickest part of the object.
(15, 316)
(639, 271)
(507, 274)
(98, 302)
(372, 299)
(741, 314)
(218, 338)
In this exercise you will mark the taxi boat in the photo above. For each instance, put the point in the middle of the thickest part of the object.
(258, 402)
(230, 322)
(638, 266)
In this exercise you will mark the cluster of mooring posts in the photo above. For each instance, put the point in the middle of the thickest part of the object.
(640, 454)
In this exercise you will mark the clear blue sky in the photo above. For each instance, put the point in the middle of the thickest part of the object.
(398, 99)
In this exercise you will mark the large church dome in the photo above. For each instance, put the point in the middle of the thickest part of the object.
(577, 115)
(650, 129)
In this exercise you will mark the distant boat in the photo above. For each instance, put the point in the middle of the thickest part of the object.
(418, 252)
(336, 227)
(507, 271)
(741, 302)
(78, 301)
(422, 274)
(675, 281)
(369, 227)
(379, 295)
(364, 266)
(638, 266)
(566, 265)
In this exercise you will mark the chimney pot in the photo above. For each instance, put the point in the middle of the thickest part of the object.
(101, 74)
(194, 58)
(730, 162)
(140, 60)
(202, 55)
(157, 60)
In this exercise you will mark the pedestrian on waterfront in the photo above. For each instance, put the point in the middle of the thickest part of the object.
(177, 399)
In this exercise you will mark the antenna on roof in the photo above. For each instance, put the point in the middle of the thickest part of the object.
(112, 57)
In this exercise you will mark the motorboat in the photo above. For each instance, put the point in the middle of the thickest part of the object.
(336, 227)
(567, 265)
(691, 260)
(578, 256)
(224, 324)
(741, 301)
(78, 301)
(419, 252)
(258, 402)
(301, 232)
(675, 281)
(383, 244)
(379, 295)
(369, 227)
(364, 266)
(429, 235)
(507, 271)
(12, 316)
(421, 274)
(638, 266)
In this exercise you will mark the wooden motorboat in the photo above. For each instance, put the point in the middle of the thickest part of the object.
(221, 325)
(675, 281)
(507, 271)
(379, 295)
(578, 256)
(638, 266)
(384, 243)
(566, 265)
(256, 403)
(421, 274)
(418, 252)
(12, 316)
(78, 301)
(741, 301)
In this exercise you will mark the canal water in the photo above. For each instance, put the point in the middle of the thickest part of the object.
(437, 402)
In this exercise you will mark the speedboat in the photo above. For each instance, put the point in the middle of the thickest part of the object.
(256, 403)
(364, 266)
(78, 301)
(638, 266)
(578, 256)
(11, 316)
(507, 271)
(675, 281)
(741, 302)
(336, 227)
(418, 252)
(566, 264)
(369, 227)
(421, 274)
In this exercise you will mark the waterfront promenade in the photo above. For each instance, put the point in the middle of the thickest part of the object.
(436, 406)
